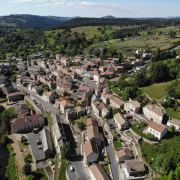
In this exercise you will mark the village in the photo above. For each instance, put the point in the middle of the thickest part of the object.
(61, 101)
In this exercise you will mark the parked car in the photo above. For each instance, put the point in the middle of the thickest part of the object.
(71, 168)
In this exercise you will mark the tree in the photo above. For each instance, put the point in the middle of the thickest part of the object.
(4, 139)
(129, 92)
(81, 125)
(177, 173)
(159, 73)
(27, 169)
(172, 128)
(171, 33)
(28, 158)
(65, 151)
(141, 79)
(30, 177)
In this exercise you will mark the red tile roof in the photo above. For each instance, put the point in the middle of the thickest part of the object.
(15, 94)
(157, 127)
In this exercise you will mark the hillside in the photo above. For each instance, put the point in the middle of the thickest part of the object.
(108, 20)
(30, 21)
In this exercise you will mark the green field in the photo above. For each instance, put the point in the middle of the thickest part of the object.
(156, 91)
(130, 44)
(90, 31)
(172, 113)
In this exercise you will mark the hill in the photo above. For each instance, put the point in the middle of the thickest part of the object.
(30, 21)
(108, 17)
(109, 20)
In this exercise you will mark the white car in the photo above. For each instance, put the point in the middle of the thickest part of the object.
(71, 168)
(109, 141)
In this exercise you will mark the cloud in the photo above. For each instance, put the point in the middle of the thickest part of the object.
(79, 4)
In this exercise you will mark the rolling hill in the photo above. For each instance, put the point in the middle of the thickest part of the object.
(30, 21)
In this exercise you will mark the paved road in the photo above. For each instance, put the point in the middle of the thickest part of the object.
(79, 172)
(113, 162)
(39, 99)
(110, 151)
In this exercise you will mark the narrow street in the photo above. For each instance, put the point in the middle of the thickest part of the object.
(113, 162)
(110, 151)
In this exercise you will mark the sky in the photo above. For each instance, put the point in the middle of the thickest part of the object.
(92, 8)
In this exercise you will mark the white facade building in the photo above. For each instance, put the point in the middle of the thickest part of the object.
(158, 130)
(153, 113)
(132, 107)
(174, 122)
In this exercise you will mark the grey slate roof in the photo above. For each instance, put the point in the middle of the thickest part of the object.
(39, 154)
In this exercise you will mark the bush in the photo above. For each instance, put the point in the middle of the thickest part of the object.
(27, 169)
(81, 125)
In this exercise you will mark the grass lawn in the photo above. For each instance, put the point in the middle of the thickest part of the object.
(30, 106)
(2, 99)
(62, 174)
(172, 113)
(106, 167)
(156, 91)
(22, 146)
(11, 110)
(11, 169)
(117, 144)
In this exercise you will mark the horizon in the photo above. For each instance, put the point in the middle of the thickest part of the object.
(92, 8)
(90, 16)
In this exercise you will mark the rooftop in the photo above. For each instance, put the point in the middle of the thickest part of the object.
(135, 165)
(98, 172)
(157, 127)
(90, 147)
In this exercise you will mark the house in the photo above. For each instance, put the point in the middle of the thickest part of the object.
(105, 96)
(7, 88)
(97, 77)
(65, 105)
(174, 122)
(71, 114)
(158, 130)
(82, 90)
(134, 169)
(27, 123)
(49, 97)
(93, 132)
(15, 96)
(100, 109)
(22, 65)
(46, 142)
(121, 123)
(116, 102)
(40, 144)
(98, 173)
(154, 113)
(132, 107)
(98, 90)
(91, 152)
(81, 111)
(123, 154)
